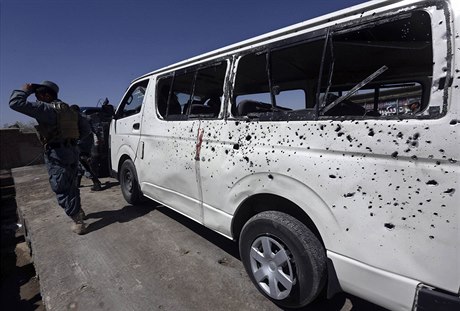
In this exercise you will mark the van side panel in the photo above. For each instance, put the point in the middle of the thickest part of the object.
(384, 192)
(366, 202)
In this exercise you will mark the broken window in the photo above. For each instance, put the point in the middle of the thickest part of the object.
(195, 92)
(252, 92)
(275, 84)
(132, 102)
(382, 68)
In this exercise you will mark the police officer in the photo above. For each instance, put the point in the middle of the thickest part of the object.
(85, 144)
(59, 127)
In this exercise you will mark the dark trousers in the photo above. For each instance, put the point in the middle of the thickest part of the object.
(62, 165)
(84, 167)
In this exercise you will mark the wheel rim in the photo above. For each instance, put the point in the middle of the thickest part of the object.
(271, 267)
(128, 180)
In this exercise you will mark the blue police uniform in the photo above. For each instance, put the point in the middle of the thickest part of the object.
(61, 158)
(85, 144)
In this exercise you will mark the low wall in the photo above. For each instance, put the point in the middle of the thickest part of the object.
(19, 148)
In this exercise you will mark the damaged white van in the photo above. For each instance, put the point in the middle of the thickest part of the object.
(329, 150)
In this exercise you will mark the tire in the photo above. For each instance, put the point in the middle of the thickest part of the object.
(283, 258)
(129, 183)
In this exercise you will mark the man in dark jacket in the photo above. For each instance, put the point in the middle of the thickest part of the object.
(59, 128)
(85, 144)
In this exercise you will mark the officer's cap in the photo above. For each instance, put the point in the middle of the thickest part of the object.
(50, 85)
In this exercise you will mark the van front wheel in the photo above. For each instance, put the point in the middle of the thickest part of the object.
(283, 258)
(129, 184)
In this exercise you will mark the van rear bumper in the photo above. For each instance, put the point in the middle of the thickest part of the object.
(431, 299)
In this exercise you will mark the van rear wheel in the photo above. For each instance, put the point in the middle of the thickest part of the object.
(129, 183)
(283, 258)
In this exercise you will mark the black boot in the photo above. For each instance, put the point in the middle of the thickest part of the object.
(96, 185)
(79, 226)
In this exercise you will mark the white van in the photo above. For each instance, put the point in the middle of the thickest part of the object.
(329, 150)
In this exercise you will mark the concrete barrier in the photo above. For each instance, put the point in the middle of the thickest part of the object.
(18, 148)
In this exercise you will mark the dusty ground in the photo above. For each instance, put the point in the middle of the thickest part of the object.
(143, 257)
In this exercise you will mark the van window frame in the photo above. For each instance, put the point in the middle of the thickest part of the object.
(381, 19)
(327, 34)
(309, 37)
(195, 69)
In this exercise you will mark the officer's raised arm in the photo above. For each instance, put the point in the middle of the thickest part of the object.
(38, 110)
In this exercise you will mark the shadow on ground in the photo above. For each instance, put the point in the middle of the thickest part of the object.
(126, 214)
(229, 246)
(104, 186)
(340, 302)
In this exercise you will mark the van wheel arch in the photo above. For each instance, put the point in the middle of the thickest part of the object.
(269, 202)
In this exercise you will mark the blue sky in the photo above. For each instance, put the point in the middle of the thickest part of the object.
(94, 48)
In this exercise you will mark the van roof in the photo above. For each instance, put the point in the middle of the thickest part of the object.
(323, 19)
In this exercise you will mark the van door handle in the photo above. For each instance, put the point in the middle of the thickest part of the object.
(136, 126)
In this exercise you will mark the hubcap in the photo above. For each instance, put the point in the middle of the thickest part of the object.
(128, 181)
(272, 267)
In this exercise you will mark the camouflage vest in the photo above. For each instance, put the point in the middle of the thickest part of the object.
(65, 129)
